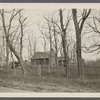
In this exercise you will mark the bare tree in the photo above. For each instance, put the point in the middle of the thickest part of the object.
(32, 45)
(56, 45)
(55, 40)
(3, 45)
(63, 35)
(6, 30)
(49, 36)
(44, 41)
(3, 39)
(94, 28)
(22, 26)
(7, 55)
(13, 62)
(78, 29)
(55, 32)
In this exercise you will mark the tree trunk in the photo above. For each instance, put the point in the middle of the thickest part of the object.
(13, 63)
(51, 52)
(61, 53)
(56, 48)
(64, 42)
(44, 62)
(78, 43)
(20, 59)
(56, 58)
(78, 52)
(22, 34)
(21, 46)
(65, 54)
(7, 55)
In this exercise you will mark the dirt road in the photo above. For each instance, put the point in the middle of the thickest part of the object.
(5, 89)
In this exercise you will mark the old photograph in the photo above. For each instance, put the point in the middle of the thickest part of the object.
(47, 50)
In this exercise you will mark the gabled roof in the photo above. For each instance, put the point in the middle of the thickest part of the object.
(40, 55)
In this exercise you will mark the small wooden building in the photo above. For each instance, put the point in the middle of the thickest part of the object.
(40, 58)
(43, 58)
(61, 61)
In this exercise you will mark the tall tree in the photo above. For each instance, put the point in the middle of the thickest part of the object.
(32, 45)
(64, 29)
(7, 30)
(44, 42)
(22, 26)
(56, 45)
(7, 55)
(79, 24)
(94, 29)
(54, 37)
(49, 36)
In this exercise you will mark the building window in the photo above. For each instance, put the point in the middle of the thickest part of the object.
(60, 62)
(47, 61)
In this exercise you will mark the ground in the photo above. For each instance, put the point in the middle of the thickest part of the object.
(47, 83)
(7, 90)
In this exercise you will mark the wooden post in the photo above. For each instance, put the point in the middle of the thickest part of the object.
(49, 69)
(39, 70)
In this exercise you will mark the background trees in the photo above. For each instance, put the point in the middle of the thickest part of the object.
(10, 33)
(32, 45)
(57, 32)
(64, 37)
(78, 29)
(94, 29)
(61, 30)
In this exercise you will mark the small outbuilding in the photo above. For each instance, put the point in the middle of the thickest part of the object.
(40, 58)
(43, 58)
(61, 61)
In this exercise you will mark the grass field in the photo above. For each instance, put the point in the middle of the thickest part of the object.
(55, 82)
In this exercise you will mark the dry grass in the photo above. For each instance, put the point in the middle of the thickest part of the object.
(55, 82)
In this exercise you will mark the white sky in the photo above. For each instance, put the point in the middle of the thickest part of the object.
(35, 16)
(35, 13)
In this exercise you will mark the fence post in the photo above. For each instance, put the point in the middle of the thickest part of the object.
(49, 69)
(39, 70)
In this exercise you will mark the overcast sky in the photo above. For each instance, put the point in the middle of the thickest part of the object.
(35, 14)
(35, 17)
